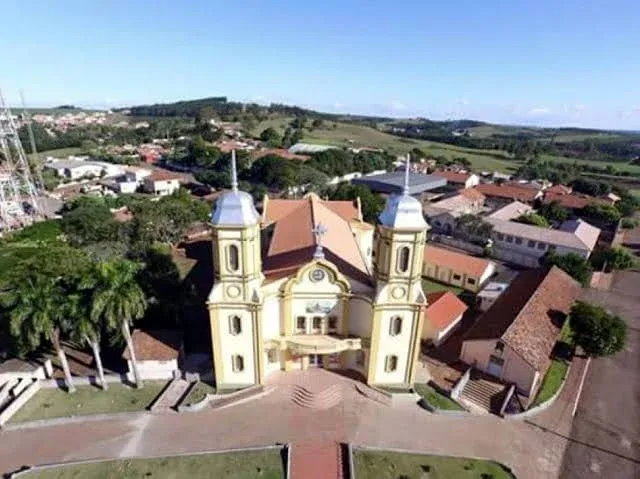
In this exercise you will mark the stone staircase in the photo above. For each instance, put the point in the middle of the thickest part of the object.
(323, 399)
(170, 398)
(481, 395)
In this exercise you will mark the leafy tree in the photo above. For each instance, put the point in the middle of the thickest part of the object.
(553, 212)
(596, 331)
(118, 300)
(590, 187)
(274, 172)
(370, 203)
(89, 222)
(317, 123)
(573, 264)
(533, 219)
(39, 309)
(606, 213)
(615, 258)
(473, 228)
(271, 137)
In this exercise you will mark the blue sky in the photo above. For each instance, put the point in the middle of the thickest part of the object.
(542, 62)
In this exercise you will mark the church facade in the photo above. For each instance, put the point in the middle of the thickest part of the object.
(306, 285)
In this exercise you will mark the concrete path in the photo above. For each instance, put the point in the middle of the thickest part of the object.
(531, 451)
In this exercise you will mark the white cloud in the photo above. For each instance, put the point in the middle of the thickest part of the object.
(539, 111)
(396, 105)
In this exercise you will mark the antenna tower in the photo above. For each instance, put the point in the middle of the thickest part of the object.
(19, 205)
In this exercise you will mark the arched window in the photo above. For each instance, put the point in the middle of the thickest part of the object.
(238, 363)
(390, 364)
(396, 326)
(234, 261)
(235, 325)
(403, 259)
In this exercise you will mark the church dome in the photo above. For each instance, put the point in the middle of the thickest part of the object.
(235, 208)
(403, 211)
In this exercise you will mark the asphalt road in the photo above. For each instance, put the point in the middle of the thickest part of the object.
(605, 437)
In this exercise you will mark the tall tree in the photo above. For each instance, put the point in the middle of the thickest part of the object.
(596, 331)
(118, 300)
(37, 309)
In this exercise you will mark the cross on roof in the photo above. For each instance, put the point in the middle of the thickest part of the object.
(234, 172)
(319, 231)
(405, 190)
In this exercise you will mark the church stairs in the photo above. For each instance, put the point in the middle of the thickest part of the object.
(325, 399)
(483, 395)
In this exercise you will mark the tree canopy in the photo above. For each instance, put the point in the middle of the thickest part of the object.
(370, 203)
(596, 331)
(553, 212)
(573, 264)
(533, 219)
(615, 258)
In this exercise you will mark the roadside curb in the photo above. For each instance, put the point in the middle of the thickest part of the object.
(76, 419)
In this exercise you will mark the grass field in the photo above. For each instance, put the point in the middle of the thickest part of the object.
(54, 402)
(199, 392)
(552, 381)
(60, 153)
(436, 399)
(386, 465)
(265, 464)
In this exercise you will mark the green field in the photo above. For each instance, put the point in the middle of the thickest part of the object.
(60, 153)
(387, 465)
(552, 381)
(54, 402)
(265, 464)
(348, 134)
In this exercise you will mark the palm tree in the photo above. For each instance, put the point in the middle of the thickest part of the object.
(36, 310)
(117, 300)
(86, 328)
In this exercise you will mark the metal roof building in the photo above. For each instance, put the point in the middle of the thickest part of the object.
(394, 182)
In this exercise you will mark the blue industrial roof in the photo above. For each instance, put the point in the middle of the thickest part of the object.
(394, 182)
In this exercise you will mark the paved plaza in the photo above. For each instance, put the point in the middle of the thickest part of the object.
(531, 451)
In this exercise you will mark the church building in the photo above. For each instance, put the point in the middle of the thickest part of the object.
(309, 284)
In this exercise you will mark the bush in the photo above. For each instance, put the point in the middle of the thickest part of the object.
(628, 223)
(533, 219)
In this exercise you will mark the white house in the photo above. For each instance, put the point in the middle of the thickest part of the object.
(161, 183)
(76, 168)
(526, 244)
(442, 315)
(157, 353)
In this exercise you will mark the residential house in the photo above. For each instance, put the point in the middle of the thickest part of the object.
(76, 168)
(456, 269)
(458, 179)
(132, 179)
(559, 189)
(498, 195)
(157, 353)
(161, 183)
(468, 201)
(514, 339)
(526, 244)
(443, 314)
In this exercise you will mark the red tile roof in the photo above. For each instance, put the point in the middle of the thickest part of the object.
(529, 314)
(462, 263)
(512, 192)
(573, 201)
(279, 152)
(162, 175)
(293, 243)
(452, 176)
(559, 189)
(159, 345)
(443, 308)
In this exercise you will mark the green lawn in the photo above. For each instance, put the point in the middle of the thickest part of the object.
(431, 286)
(237, 465)
(552, 381)
(436, 399)
(61, 152)
(199, 392)
(54, 402)
(392, 465)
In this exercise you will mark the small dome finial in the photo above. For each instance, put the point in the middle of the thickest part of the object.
(234, 172)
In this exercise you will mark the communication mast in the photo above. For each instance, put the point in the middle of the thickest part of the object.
(19, 195)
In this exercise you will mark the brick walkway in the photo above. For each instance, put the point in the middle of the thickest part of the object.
(532, 452)
(316, 461)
